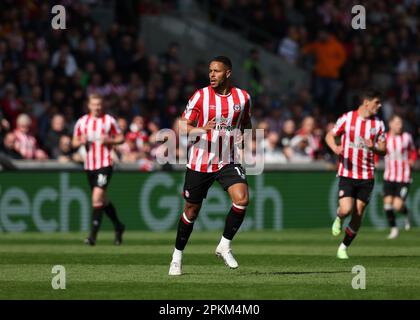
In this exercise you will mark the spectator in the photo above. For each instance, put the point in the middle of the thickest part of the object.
(129, 150)
(289, 46)
(9, 147)
(137, 127)
(63, 61)
(272, 151)
(57, 130)
(11, 104)
(253, 69)
(26, 143)
(4, 127)
(330, 56)
(287, 134)
(65, 151)
(305, 143)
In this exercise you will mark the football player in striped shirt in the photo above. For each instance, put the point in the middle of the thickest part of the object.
(215, 114)
(362, 135)
(98, 133)
(401, 155)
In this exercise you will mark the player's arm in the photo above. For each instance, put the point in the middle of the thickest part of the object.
(115, 135)
(188, 121)
(193, 129)
(247, 125)
(79, 139)
(330, 139)
(115, 139)
(379, 148)
(246, 121)
(336, 132)
(412, 151)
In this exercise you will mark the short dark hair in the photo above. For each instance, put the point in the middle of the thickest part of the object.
(223, 59)
(370, 94)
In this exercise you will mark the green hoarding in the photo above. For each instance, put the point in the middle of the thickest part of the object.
(60, 201)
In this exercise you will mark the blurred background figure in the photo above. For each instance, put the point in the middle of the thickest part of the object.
(330, 55)
(26, 143)
(57, 130)
(9, 147)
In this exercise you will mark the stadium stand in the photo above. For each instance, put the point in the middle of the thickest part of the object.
(46, 74)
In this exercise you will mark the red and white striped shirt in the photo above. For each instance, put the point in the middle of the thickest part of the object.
(400, 150)
(98, 155)
(231, 112)
(357, 161)
(25, 144)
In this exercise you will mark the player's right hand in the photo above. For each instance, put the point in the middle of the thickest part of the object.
(211, 124)
(338, 150)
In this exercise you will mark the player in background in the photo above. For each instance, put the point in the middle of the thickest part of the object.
(98, 133)
(213, 113)
(362, 135)
(401, 155)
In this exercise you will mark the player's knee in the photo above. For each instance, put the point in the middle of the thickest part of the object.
(398, 206)
(241, 199)
(192, 210)
(345, 211)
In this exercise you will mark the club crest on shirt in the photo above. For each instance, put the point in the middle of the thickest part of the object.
(237, 107)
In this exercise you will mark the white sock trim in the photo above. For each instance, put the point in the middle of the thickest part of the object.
(225, 242)
(177, 255)
(238, 206)
(388, 206)
(343, 246)
(186, 218)
(351, 230)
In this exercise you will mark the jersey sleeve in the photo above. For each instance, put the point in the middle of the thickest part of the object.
(114, 128)
(381, 132)
(193, 107)
(247, 110)
(340, 125)
(412, 151)
(77, 129)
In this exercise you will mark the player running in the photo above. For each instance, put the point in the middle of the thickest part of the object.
(98, 132)
(401, 155)
(212, 114)
(362, 135)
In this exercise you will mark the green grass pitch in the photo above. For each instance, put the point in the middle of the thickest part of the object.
(290, 264)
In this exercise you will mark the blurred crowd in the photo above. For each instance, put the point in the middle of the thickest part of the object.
(319, 36)
(46, 75)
